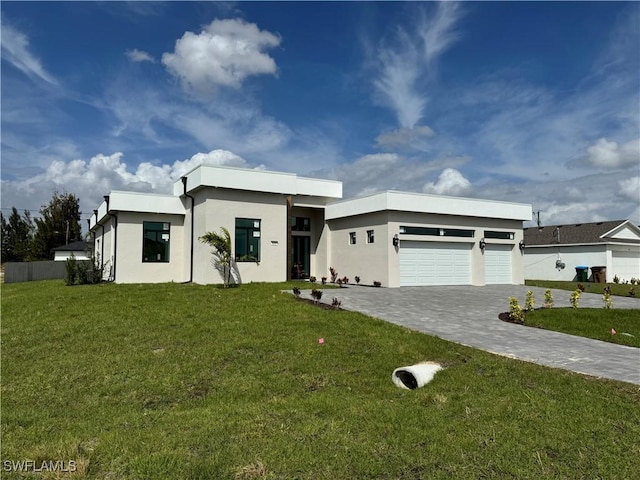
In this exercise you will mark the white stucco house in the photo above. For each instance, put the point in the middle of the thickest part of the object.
(285, 226)
(554, 252)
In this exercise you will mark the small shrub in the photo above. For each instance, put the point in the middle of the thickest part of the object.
(632, 292)
(71, 271)
(377, 283)
(529, 301)
(339, 282)
(516, 312)
(312, 279)
(606, 298)
(334, 274)
(345, 280)
(296, 291)
(616, 279)
(575, 298)
(324, 280)
(548, 298)
(316, 294)
(581, 287)
(336, 303)
(357, 278)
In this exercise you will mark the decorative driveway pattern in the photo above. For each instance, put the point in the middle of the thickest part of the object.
(469, 315)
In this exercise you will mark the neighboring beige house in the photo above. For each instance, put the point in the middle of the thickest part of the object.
(284, 226)
(554, 252)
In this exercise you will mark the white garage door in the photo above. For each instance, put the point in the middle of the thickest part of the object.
(431, 263)
(497, 264)
(626, 265)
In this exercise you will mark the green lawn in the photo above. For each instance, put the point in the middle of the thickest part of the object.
(618, 289)
(591, 323)
(197, 382)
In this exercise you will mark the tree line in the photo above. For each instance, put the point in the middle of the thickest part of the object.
(26, 239)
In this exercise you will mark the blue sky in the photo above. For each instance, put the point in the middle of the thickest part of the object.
(528, 102)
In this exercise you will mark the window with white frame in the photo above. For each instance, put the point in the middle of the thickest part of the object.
(352, 238)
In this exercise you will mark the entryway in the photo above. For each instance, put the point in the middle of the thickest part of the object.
(301, 257)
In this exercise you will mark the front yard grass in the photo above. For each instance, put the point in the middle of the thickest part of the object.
(195, 382)
(593, 323)
(618, 289)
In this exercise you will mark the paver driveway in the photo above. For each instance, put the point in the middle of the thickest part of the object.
(469, 315)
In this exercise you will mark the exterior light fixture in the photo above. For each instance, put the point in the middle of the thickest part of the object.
(395, 240)
(521, 245)
(482, 244)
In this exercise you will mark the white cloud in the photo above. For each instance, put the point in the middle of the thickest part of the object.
(404, 136)
(450, 182)
(606, 154)
(438, 33)
(103, 173)
(404, 64)
(396, 84)
(136, 55)
(224, 53)
(386, 171)
(630, 188)
(15, 49)
(589, 198)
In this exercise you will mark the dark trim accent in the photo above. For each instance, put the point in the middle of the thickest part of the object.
(184, 186)
(289, 242)
(115, 237)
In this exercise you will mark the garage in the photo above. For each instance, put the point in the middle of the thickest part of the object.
(497, 264)
(626, 265)
(434, 263)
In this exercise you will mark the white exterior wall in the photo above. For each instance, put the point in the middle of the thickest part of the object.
(540, 262)
(369, 261)
(103, 247)
(130, 268)
(216, 208)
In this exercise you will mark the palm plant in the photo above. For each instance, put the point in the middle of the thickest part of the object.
(221, 243)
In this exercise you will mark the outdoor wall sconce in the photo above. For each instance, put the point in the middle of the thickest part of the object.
(482, 244)
(395, 240)
(521, 245)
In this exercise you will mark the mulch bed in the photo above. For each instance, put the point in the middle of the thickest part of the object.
(324, 306)
(505, 317)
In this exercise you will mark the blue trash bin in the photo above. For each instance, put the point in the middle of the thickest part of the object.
(582, 273)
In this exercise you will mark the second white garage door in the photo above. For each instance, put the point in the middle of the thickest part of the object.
(626, 265)
(497, 264)
(431, 263)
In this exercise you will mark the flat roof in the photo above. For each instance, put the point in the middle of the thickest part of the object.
(428, 203)
(258, 181)
(138, 202)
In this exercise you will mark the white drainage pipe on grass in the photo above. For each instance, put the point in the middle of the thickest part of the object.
(415, 376)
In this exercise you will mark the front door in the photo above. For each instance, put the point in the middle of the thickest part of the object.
(301, 257)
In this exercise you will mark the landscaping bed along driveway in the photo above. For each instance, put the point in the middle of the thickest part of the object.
(469, 316)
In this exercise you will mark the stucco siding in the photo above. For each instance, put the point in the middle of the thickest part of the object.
(216, 208)
(369, 261)
(130, 267)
